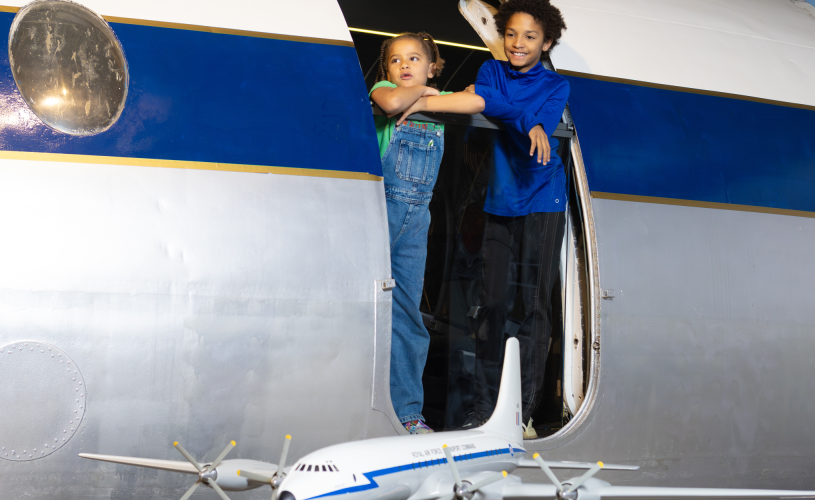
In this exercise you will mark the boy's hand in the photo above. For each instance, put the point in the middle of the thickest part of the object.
(428, 91)
(416, 107)
(541, 142)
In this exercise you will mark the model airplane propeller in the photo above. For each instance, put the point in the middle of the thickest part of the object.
(276, 479)
(465, 489)
(568, 491)
(207, 474)
(220, 475)
(424, 467)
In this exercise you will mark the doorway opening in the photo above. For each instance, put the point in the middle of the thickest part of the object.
(453, 304)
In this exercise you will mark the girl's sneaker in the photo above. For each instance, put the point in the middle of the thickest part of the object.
(417, 427)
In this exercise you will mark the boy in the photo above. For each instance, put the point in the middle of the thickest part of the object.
(525, 203)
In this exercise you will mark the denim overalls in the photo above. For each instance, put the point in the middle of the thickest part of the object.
(410, 166)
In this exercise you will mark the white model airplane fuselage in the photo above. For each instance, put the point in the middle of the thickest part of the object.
(396, 466)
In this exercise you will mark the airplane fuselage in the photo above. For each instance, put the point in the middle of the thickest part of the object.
(412, 466)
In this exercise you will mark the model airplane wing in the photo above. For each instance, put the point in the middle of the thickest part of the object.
(602, 490)
(647, 492)
(151, 463)
(529, 463)
(529, 491)
(596, 489)
(170, 465)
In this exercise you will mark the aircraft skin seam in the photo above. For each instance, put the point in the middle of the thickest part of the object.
(687, 90)
(210, 29)
(700, 204)
(401, 468)
(127, 161)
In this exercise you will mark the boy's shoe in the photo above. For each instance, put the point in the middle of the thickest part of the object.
(475, 418)
(417, 427)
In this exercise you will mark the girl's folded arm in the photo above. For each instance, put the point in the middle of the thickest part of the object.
(458, 102)
(397, 99)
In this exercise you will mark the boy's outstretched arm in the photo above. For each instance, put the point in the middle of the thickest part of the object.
(464, 103)
(396, 99)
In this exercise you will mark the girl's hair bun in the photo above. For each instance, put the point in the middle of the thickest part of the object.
(429, 46)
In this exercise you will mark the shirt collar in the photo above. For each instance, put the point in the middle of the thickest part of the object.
(534, 72)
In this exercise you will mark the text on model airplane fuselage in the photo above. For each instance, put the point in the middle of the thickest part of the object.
(382, 464)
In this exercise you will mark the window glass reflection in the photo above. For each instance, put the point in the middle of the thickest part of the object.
(68, 66)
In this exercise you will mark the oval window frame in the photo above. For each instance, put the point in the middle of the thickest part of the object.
(107, 31)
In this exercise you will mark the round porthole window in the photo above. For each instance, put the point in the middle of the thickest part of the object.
(68, 66)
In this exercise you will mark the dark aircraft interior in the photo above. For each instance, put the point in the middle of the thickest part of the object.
(453, 274)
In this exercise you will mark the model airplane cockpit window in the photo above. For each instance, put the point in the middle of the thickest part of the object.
(68, 66)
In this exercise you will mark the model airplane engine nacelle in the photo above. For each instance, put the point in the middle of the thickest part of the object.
(228, 477)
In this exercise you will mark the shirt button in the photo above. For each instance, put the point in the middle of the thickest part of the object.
(557, 200)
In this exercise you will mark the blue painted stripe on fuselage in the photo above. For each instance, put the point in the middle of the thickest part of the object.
(644, 141)
(207, 97)
(414, 466)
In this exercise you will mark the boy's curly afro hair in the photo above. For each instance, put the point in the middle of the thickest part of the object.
(544, 12)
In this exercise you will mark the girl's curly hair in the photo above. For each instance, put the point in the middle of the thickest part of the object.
(549, 17)
(429, 46)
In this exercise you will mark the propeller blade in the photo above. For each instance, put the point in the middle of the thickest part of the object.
(449, 496)
(489, 480)
(188, 457)
(218, 489)
(223, 454)
(452, 463)
(283, 455)
(551, 475)
(189, 492)
(582, 479)
(258, 478)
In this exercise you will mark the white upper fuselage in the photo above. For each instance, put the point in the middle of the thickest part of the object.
(401, 466)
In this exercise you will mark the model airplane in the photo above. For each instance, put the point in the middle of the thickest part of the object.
(453, 465)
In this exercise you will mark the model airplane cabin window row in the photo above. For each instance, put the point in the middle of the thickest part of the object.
(317, 468)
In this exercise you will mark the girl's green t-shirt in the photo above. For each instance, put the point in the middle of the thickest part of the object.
(385, 126)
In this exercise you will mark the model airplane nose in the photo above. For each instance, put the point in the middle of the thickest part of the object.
(286, 495)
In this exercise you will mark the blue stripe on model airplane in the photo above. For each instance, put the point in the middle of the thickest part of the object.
(197, 96)
(411, 466)
(644, 141)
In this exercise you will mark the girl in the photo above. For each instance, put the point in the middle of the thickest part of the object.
(411, 153)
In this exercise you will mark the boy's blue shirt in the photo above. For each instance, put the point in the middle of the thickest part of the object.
(519, 185)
